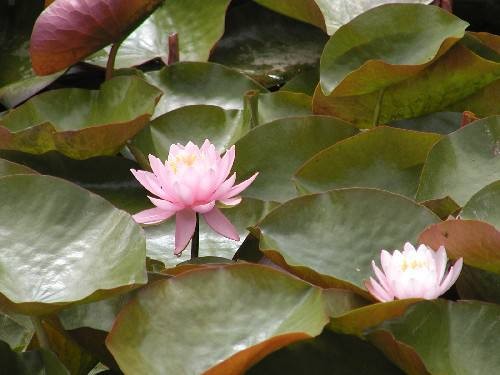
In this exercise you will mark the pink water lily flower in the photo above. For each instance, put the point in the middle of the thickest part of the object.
(191, 181)
(413, 273)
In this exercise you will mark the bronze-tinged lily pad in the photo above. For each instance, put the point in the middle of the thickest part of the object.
(62, 244)
(80, 123)
(67, 31)
(217, 320)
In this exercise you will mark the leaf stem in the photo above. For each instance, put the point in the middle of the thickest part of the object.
(173, 48)
(195, 241)
(41, 335)
(110, 65)
(376, 113)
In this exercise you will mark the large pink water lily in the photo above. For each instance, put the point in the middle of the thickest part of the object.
(413, 273)
(191, 181)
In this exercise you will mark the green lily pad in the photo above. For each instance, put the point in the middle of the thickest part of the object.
(463, 162)
(80, 123)
(107, 176)
(449, 337)
(193, 123)
(337, 234)
(438, 122)
(484, 205)
(33, 362)
(460, 80)
(478, 284)
(68, 31)
(8, 168)
(189, 83)
(267, 46)
(384, 158)
(477, 242)
(197, 34)
(160, 238)
(280, 104)
(103, 252)
(304, 82)
(13, 333)
(327, 354)
(383, 40)
(159, 332)
(278, 148)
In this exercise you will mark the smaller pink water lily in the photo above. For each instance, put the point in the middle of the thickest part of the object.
(413, 274)
(191, 181)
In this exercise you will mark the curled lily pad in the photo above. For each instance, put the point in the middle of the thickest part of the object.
(80, 123)
(102, 254)
(159, 331)
(68, 31)
(198, 23)
(484, 205)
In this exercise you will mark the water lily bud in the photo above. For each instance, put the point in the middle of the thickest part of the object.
(413, 273)
(191, 181)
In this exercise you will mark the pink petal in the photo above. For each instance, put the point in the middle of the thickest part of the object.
(224, 167)
(452, 276)
(185, 194)
(231, 201)
(377, 291)
(382, 279)
(152, 216)
(440, 259)
(219, 223)
(240, 187)
(204, 208)
(185, 224)
(149, 181)
(165, 205)
(224, 188)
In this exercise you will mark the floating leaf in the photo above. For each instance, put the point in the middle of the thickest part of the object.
(304, 82)
(442, 333)
(197, 35)
(475, 241)
(80, 123)
(189, 83)
(160, 238)
(437, 122)
(382, 43)
(101, 255)
(475, 283)
(68, 31)
(193, 123)
(273, 310)
(9, 168)
(484, 205)
(299, 139)
(326, 354)
(337, 234)
(267, 46)
(463, 162)
(30, 363)
(384, 158)
(13, 333)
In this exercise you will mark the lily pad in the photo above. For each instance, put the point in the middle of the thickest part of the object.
(160, 238)
(107, 176)
(159, 332)
(16, 335)
(278, 148)
(384, 158)
(189, 83)
(304, 82)
(463, 162)
(68, 31)
(478, 284)
(32, 362)
(80, 123)
(484, 205)
(197, 34)
(103, 253)
(9, 168)
(337, 234)
(477, 242)
(193, 123)
(383, 40)
(327, 354)
(438, 122)
(442, 333)
(267, 46)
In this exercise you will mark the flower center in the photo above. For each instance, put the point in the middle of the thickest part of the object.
(182, 160)
(412, 265)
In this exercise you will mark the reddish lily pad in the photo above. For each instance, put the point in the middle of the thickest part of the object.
(67, 31)
(80, 123)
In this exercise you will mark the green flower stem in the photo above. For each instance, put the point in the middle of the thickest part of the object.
(195, 241)
(41, 335)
